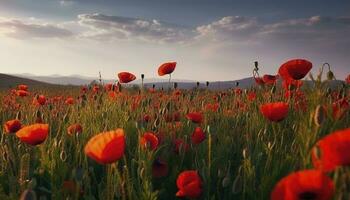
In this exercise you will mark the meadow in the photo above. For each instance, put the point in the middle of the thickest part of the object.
(279, 139)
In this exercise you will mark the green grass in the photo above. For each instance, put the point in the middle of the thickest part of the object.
(243, 156)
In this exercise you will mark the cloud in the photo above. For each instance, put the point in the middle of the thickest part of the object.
(106, 27)
(229, 28)
(66, 2)
(23, 30)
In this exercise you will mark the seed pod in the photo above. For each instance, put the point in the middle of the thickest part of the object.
(319, 116)
(330, 75)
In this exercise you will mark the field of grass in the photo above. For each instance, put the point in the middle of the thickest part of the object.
(243, 154)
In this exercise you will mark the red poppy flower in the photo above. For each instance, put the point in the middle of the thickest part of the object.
(166, 68)
(198, 136)
(108, 87)
(270, 79)
(147, 118)
(126, 77)
(274, 111)
(84, 89)
(238, 91)
(251, 96)
(214, 107)
(195, 117)
(189, 184)
(23, 87)
(70, 101)
(22, 93)
(159, 168)
(347, 80)
(39, 100)
(106, 147)
(96, 88)
(306, 184)
(295, 69)
(33, 134)
(149, 140)
(181, 146)
(12, 126)
(332, 151)
(259, 81)
(74, 128)
(340, 107)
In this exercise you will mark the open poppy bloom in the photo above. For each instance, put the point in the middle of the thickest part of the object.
(33, 134)
(159, 168)
(22, 93)
(126, 77)
(270, 79)
(74, 128)
(259, 81)
(347, 80)
(166, 68)
(295, 69)
(108, 87)
(149, 140)
(198, 136)
(69, 101)
(251, 96)
(306, 184)
(332, 151)
(23, 87)
(39, 100)
(12, 126)
(189, 184)
(106, 147)
(195, 117)
(274, 111)
(339, 108)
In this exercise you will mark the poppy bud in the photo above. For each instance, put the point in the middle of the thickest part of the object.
(197, 84)
(319, 116)
(207, 83)
(153, 86)
(256, 64)
(330, 75)
(142, 76)
(175, 85)
(237, 84)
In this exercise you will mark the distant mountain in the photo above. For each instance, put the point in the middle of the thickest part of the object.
(9, 81)
(83, 80)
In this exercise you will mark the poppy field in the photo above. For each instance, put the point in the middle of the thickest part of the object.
(285, 137)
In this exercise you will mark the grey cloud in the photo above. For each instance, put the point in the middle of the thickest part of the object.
(22, 30)
(116, 28)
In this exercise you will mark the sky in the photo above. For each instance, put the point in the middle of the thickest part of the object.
(209, 39)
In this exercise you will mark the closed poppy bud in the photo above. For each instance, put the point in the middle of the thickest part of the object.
(274, 111)
(149, 140)
(106, 147)
(320, 115)
(160, 168)
(195, 117)
(330, 75)
(142, 76)
(33, 134)
(166, 68)
(198, 136)
(189, 184)
(207, 83)
(12, 126)
(126, 77)
(74, 128)
(306, 184)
